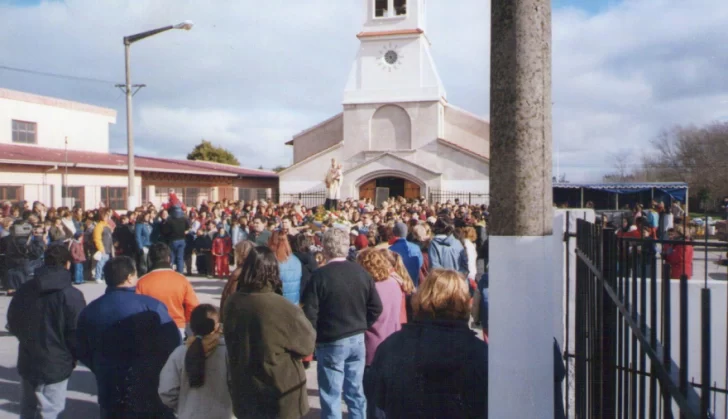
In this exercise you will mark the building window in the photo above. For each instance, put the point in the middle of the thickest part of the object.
(73, 196)
(390, 8)
(400, 7)
(250, 194)
(380, 8)
(25, 132)
(114, 198)
(11, 193)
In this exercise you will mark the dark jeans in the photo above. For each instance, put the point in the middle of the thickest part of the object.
(178, 255)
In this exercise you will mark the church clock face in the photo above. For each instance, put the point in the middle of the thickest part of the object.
(390, 58)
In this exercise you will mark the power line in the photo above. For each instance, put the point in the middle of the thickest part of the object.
(56, 75)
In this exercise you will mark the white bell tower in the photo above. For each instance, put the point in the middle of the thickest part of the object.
(394, 63)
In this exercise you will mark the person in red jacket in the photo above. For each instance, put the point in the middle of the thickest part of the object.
(679, 256)
(221, 248)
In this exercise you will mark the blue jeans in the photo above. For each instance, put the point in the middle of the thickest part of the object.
(45, 401)
(99, 272)
(178, 255)
(78, 273)
(341, 364)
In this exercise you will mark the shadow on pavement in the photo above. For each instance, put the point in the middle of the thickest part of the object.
(82, 381)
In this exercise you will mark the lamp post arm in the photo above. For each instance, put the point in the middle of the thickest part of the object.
(139, 36)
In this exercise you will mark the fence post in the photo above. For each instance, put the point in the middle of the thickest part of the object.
(470, 198)
(608, 326)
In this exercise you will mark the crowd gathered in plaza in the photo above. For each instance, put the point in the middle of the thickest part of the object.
(380, 297)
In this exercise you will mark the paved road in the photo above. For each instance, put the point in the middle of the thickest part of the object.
(81, 402)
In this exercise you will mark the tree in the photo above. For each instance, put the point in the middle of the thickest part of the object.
(279, 169)
(206, 151)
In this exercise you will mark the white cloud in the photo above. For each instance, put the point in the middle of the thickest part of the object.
(251, 74)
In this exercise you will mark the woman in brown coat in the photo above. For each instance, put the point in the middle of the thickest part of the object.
(267, 336)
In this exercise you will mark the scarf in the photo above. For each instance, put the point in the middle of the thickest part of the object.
(209, 342)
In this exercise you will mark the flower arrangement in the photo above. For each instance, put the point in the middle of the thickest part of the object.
(335, 218)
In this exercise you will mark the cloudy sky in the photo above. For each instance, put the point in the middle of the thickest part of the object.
(253, 73)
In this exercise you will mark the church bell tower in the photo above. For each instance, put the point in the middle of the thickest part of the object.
(393, 63)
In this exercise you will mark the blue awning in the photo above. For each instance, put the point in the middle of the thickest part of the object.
(676, 190)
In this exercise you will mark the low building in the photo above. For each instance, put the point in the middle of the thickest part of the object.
(57, 152)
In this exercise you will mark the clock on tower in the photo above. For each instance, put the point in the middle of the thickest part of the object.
(394, 63)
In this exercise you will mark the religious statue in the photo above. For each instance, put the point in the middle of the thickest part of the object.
(334, 177)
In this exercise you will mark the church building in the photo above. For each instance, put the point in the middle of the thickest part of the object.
(396, 130)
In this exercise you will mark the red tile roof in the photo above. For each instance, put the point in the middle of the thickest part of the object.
(33, 155)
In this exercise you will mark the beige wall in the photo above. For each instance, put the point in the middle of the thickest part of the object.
(391, 129)
(318, 138)
(467, 131)
(359, 130)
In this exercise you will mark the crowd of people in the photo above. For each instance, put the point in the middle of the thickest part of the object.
(380, 297)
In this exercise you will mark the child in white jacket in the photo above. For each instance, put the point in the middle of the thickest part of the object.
(194, 382)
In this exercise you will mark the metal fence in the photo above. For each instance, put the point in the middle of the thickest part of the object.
(624, 356)
(307, 199)
(438, 196)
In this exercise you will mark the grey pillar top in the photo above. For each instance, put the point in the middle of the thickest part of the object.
(520, 112)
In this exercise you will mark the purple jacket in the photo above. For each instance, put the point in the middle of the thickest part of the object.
(388, 322)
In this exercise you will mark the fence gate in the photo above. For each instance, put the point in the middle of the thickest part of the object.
(623, 355)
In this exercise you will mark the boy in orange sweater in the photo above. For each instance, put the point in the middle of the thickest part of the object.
(168, 286)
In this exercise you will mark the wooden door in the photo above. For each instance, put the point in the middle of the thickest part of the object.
(368, 190)
(411, 190)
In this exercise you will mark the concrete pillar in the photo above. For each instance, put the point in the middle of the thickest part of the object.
(521, 358)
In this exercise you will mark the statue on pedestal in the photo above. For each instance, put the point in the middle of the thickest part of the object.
(334, 178)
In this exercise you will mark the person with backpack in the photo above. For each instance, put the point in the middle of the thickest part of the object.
(193, 382)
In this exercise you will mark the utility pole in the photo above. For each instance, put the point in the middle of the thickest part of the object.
(130, 90)
(522, 326)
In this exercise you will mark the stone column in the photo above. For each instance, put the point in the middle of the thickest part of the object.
(521, 358)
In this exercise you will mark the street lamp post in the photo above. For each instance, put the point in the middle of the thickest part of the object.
(127, 89)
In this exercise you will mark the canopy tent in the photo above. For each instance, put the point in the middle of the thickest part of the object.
(617, 195)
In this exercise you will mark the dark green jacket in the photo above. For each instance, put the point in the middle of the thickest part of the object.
(266, 337)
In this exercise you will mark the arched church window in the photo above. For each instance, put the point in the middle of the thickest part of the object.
(391, 129)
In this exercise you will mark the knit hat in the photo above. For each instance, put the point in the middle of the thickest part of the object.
(400, 229)
(361, 242)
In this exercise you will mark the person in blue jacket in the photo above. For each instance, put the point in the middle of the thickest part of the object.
(125, 339)
(143, 235)
(446, 252)
(410, 252)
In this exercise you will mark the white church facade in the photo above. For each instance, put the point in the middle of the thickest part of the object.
(397, 129)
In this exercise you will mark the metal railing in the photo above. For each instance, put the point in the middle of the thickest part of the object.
(623, 325)
(470, 198)
(307, 199)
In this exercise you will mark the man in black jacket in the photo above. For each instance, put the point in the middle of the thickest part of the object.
(173, 233)
(341, 303)
(43, 315)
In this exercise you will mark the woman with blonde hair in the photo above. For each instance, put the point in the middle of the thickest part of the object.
(447, 373)
(405, 282)
(242, 249)
(386, 283)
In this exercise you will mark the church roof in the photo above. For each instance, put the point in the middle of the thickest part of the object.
(462, 149)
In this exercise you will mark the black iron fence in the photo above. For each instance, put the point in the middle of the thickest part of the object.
(624, 320)
(307, 199)
(438, 196)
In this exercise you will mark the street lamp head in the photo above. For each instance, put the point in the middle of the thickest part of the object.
(186, 25)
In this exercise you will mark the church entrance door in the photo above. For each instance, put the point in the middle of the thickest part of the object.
(397, 187)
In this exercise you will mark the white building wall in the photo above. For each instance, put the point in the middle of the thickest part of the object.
(85, 126)
(47, 187)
